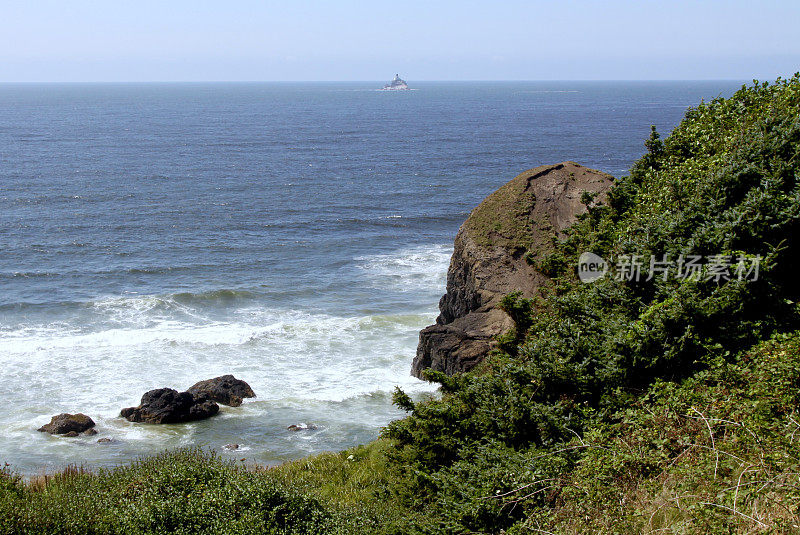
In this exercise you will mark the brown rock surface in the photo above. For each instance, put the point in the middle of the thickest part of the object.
(225, 389)
(168, 406)
(489, 261)
(70, 425)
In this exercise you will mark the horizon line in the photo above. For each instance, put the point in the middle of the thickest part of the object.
(486, 80)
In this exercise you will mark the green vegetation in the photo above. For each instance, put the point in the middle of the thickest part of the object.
(497, 220)
(496, 217)
(621, 406)
(181, 492)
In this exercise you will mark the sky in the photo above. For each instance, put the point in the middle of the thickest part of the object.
(305, 40)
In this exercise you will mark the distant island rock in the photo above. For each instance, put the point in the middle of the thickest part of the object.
(397, 84)
(519, 220)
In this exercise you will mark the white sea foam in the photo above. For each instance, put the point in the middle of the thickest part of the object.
(331, 370)
(411, 269)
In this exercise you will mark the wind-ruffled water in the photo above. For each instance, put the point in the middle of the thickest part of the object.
(294, 235)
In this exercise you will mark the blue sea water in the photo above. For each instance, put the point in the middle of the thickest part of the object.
(295, 235)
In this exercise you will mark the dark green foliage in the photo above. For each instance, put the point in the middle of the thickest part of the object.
(554, 264)
(654, 145)
(683, 456)
(587, 198)
(402, 400)
(520, 311)
(187, 491)
(725, 182)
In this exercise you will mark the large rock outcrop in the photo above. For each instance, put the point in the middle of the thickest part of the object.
(168, 406)
(225, 389)
(526, 215)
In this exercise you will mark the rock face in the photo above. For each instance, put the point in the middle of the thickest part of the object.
(521, 219)
(70, 425)
(168, 406)
(226, 389)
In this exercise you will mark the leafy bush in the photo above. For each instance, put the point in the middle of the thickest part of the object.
(716, 453)
(186, 491)
(725, 182)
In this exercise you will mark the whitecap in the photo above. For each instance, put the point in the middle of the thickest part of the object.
(410, 269)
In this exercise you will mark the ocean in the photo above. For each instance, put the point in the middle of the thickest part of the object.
(295, 235)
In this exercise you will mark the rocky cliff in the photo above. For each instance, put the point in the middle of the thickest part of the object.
(489, 260)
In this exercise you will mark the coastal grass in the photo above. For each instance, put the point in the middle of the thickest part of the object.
(716, 453)
(195, 491)
(183, 491)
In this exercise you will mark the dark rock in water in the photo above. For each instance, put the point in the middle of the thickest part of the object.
(90, 432)
(226, 389)
(496, 252)
(69, 425)
(168, 406)
(231, 447)
(301, 427)
(104, 440)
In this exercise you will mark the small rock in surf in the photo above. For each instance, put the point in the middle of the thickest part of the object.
(301, 427)
(69, 425)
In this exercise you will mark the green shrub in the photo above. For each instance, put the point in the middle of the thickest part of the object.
(186, 491)
(725, 182)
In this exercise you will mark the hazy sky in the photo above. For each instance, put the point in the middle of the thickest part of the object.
(168, 40)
